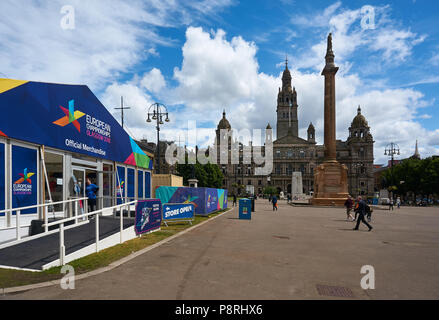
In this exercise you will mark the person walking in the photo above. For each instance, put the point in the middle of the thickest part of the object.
(398, 202)
(349, 204)
(90, 191)
(234, 200)
(361, 213)
(274, 201)
(391, 204)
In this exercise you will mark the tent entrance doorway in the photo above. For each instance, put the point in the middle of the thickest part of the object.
(78, 186)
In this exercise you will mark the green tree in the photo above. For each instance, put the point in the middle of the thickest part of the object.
(208, 175)
(413, 175)
(269, 190)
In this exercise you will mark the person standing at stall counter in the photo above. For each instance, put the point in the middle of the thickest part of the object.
(90, 191)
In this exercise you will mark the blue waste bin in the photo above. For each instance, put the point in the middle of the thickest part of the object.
(245, 209)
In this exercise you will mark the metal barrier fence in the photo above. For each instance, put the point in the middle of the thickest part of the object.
(8, 213)
(61, 223)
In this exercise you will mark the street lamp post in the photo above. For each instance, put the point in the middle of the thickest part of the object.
(391, 150)
(159, 111)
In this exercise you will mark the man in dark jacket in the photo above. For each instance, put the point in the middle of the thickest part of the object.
(361, 213)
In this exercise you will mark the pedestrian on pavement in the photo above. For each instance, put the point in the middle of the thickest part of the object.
(391, 204)
(234, 200)
(274, 201)
(398, 202)
(361, 213)
(349, 203)
(356, 206)
(91, 190)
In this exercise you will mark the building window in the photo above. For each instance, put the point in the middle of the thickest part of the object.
(259, 182)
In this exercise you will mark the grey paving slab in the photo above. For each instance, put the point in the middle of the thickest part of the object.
(294, 253)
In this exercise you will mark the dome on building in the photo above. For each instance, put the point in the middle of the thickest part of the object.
(311, 127)
(359, 121)
(224, 123)
(268, 126)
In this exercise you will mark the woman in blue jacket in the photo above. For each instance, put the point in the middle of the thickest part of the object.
(90, 191)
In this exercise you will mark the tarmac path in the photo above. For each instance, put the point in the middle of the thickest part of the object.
(294, 253)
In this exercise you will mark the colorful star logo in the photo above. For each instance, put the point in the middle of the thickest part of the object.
(191, 200)
(25, 176)
(71, 116)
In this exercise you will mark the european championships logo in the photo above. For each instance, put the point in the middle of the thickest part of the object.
(22, 188)
(71, 116)
(25, 176)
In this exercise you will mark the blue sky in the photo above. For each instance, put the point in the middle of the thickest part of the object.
(199, 57)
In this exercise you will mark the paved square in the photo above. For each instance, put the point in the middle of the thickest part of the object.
(294, 253)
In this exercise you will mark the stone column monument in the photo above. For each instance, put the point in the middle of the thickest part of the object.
(330, 180)
(297, 186)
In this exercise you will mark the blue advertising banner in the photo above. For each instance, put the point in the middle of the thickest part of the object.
(148, 216)
(178, 211)
(130, 184)
(120, 185)
(205, 200)
(147, 184)
(24, 178)
(2, 178)
(66, 117)
(140, 184)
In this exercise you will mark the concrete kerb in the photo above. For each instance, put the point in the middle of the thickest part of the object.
(112, 265)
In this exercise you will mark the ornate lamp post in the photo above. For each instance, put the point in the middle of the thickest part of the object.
(391, 150)
(157, 112)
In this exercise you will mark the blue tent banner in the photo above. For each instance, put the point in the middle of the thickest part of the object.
(147, 184)
(205, 200)
(148, 216)
(24, 178)
(120, 185)
(2, 177)
(66, 117)
(178, 212)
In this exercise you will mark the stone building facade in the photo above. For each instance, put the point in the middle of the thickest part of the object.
(292, 153)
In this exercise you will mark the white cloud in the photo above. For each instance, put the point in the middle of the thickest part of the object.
(435, 60)
(316, 20)
(216, 72)
(392, 45)
(153, 81)
(108, 39)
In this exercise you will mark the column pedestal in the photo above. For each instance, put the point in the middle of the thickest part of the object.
(330, 184)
